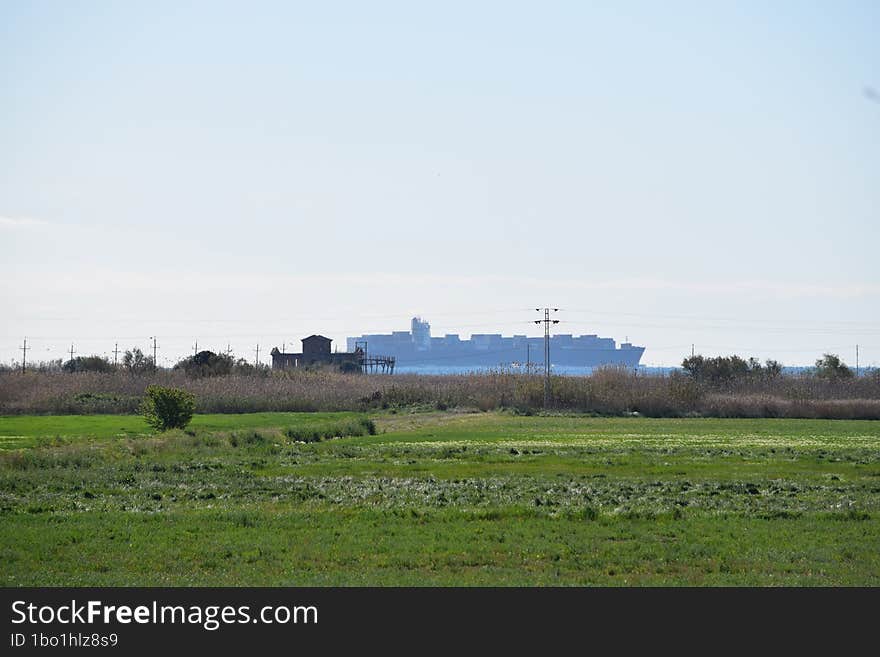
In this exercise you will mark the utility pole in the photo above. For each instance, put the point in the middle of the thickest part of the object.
(24, 349)
(228, 350)
(692, 349)
(528, 356)
(115, 354)
(196, 347)
(547, 321)
(155, 362)
(857, 360)
(257, 361)
(71, 351)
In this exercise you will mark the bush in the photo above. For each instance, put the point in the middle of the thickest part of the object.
(168, 408)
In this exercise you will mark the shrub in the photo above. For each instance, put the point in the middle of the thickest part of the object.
(168, 408)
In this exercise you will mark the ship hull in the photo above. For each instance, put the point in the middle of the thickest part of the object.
(591, 358)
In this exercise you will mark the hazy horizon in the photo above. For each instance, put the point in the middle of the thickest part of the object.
(675, 174)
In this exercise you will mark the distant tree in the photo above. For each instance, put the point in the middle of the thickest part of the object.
(720, 369)
(135, 362)
(244, 368)
(735, 367)
(206, 363)
(772, 368)
(695, 366)
(832, 368)
(88, 364)
(43, 366)
(724, 369)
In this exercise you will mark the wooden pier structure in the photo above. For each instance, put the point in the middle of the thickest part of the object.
(378, 364)
(373, 364)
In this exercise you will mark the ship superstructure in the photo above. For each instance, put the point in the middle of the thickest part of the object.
(417, 347)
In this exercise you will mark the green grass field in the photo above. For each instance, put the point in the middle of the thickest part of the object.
(27, 430)
(439, 498)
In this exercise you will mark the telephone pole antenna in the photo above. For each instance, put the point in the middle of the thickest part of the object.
(257, 360)
(24, 349)
(72, 352)
(547, 322)
(155, 362)
(115, 354)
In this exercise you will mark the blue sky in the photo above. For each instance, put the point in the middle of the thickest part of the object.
(244, 173)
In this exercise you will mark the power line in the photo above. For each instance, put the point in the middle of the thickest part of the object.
(712, 319)
(547, 321)
(348, 331)
(582, 326)
(276, 318)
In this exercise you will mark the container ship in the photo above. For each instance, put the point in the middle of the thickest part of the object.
(418, 348)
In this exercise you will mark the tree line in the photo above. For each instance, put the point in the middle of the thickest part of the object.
(711, 370)
(134, 361)
(726, 369)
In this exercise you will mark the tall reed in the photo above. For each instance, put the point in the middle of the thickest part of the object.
(607, 391)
